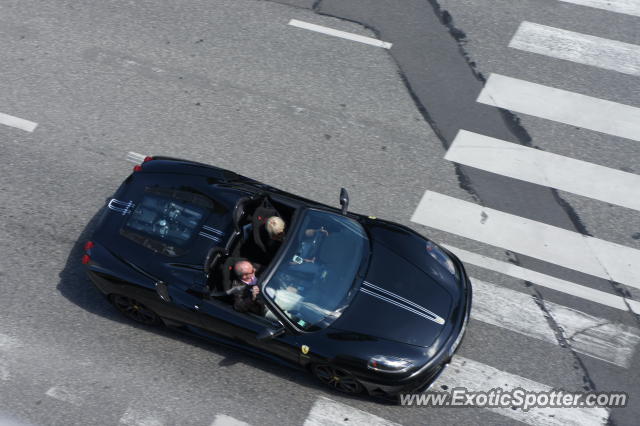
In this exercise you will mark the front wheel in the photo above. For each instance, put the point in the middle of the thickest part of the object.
(337, 378)
(134, 310)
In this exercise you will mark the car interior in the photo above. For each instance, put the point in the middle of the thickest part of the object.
(248, 242)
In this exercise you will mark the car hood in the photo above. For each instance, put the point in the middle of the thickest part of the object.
(397, 301)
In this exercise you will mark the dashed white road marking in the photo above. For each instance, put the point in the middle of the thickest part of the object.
(545, 168)
(577, 47)
(134, 157)
(569, 249)
(547, 281)
(134, 416)
(475, 376)
(562, 106)
(596, 337)
(4, 370)
(224, 420)
(7, 342)
(9, 421)
(341, 34)
(62, 393)
(327, 412)
(628, 7)
(18, 123)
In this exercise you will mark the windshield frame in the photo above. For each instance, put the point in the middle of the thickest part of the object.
(363, 267)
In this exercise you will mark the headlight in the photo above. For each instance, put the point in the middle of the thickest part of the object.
(389, 364)
(441, 257)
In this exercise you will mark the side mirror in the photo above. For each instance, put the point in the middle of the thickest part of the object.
(271, 333)
(344, 200)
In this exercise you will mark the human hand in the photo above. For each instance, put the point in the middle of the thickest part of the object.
(255, 290)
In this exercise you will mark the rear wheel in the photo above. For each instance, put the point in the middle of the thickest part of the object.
(134, 310)
(337, 378)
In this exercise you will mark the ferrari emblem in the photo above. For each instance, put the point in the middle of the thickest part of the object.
(304, 349)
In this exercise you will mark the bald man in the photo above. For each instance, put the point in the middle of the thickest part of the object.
(246, 292)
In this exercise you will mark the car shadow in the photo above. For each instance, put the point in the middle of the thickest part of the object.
(76, 287)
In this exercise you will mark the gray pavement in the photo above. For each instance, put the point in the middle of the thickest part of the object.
(229, 83)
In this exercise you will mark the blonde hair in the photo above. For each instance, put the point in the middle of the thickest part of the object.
(275, 226)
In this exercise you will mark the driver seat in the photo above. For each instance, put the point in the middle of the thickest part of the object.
(228, 274)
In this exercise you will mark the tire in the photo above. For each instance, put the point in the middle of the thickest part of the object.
(337, 378)
(134, 310)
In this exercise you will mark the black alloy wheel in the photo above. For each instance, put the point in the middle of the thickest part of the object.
(135, 310)
(337, 378)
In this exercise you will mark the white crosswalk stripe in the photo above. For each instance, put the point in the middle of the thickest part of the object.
(596, 337)
(562, 106)
(139, 416)
(628, 7)
(577, 47)
(224, 420)
(557, 284)
(544, 168)
(326, 411)
(570, 249)
(475, 376)
(64, 393)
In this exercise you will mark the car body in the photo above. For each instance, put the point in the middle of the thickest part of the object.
(378, 307)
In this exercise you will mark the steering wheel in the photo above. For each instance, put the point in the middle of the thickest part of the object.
(318, 237)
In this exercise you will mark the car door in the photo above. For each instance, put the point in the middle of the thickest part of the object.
(176, 298)
(219, 318)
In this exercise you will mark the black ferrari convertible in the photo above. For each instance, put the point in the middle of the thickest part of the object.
(362, 303)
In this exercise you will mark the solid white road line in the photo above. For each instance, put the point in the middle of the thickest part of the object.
(341, 34)
(475, 376)
(134, 157)
(223, 420)
(577, 47)
(328, 412)
(61, 393)
(544, 168)
(547, 281)
(596, 337)
(628, 7)
(560, 105)
(569, 249)
(19, 123)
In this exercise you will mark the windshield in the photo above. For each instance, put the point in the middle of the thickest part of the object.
(315, 277)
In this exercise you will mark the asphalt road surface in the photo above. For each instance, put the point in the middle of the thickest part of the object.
(507, 130)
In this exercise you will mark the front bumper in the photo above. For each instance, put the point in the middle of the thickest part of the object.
(418, 385)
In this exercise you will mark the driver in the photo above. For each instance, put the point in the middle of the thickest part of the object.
(245, 289)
